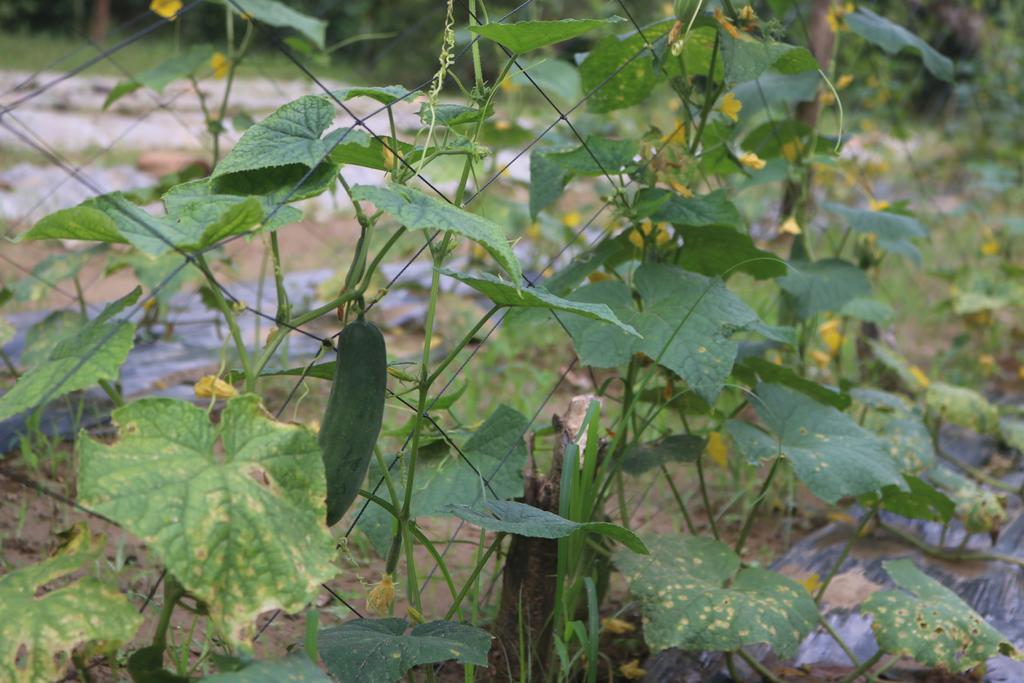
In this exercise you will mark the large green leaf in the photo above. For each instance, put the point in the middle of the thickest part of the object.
(706, 210)
(50, 272)
(723, 252)
(746, 58)
(418, 211)
(755, 369)
(642, 457)
(686, 323)
(380, 651)
(85, 356)
(291, 135)
(920, 501)
(547, 181)
(620, 72)
(894, 231)
(278, 14)
(235, 511)
(188, 63)
(599, 156)
(43, 617)
(930, 623)
(893, 38)
(521, 519)
(199, 201)
(523, 36)
(824, 285)
(295, 668)
(504, 294)
(830, 453)
(980, 510)
(962, 406)
(386, 94)
(695, 596)
(496, 450)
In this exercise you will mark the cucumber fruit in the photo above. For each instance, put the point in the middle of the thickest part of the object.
(355, 410)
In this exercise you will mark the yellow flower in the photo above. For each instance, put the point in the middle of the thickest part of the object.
(533, 230)
(820, 358)
(726, 24)
(681, 190)
(751, 160)
(791, 150)
(646, 227)
(878, 204)
(812, 583)
(827, 98)
(844, 81)
(663, 235)
(210, 386)
(730, 107)
(919, 376)
(168, 9)
(502, 125)
(220, 65)
(571, 219)
(830, 334)
(717, 449)
(790, 227)
(990, 247)
(636, 238)
(617, 626)
(508, 86)
(382, 596)
(837, 16)
(632, 670)
(987, 362)
(479, 252)
(677, 136)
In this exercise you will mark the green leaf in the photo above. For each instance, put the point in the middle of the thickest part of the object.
(521, 519)
(87, 355)
(51, 271)
(642, 457)
(893, 38)
(825, 285)
(868, 310)
(497, 451)
(291, 135)
(40, 624)
(447, 114)
(979, 509)
(1011, 431)
(198, 201)
(962, 406)
(379, 650)
(235, 511)
(387, 94)
(278, 14)
(910, 375)
(706, 210)
(894, 231)
(770, 373)
(722, 251)
(159, 77)
(619, 72)
(505, 294)
(919, 501)
(687, 324)
(523, 36)
(295, 668)
(598, 157)
(43, 337)
(747, 58)
(547, 182)
(830, 453)
(930, 623)
(82, 222)
(418, 211)
(910, 444)
(695, 596)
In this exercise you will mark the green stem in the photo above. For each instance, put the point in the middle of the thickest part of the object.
(173, 592)
(749, 523)
(453, 354)
(710, 95)
(81, 298)
(468, 583)
(839, 641)
(977, 473)
(283, 307)
(864, 668)
(758, 667)
(112, 392)
(951, 555)
(679, 501)
(845, 553)
(705, 498)
(229, 317)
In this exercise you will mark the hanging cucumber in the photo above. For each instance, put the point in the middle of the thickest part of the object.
(354, 413)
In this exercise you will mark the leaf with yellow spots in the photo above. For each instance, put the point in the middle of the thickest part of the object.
(695, 596)
(39, 627)
(979, 509)
(962, 406)
(235, 511)
(931, 624)
(830, 453)
(910, 375)
(380, 651)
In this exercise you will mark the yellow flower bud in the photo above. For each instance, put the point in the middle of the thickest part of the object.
(919, 376)
(812, 583)
(382, 596)
(617, 626)
(533, 230)
(717, 449)
(632, 670)
(878, 204)
(790, 227)
(730, 107)
(210, 386)
(681, 190)
(830, 334)
(571, 219)
(751, 160)
(990, 248)
(168, 9)
(636, 238)
(844, 81)
(663, 236)
(820, 358)
(220, 65)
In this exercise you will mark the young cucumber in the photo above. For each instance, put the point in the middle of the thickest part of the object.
(354, 413)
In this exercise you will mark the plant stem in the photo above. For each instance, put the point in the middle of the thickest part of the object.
(679, 501)
(952, 555)
(173, 592)
(864, 667)
(749, 523)
(468, 583)
(229, 317)
(839, 640)
(112, 392)
(845, 553)
(976, 472)
(704, 496)
(758, 667)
